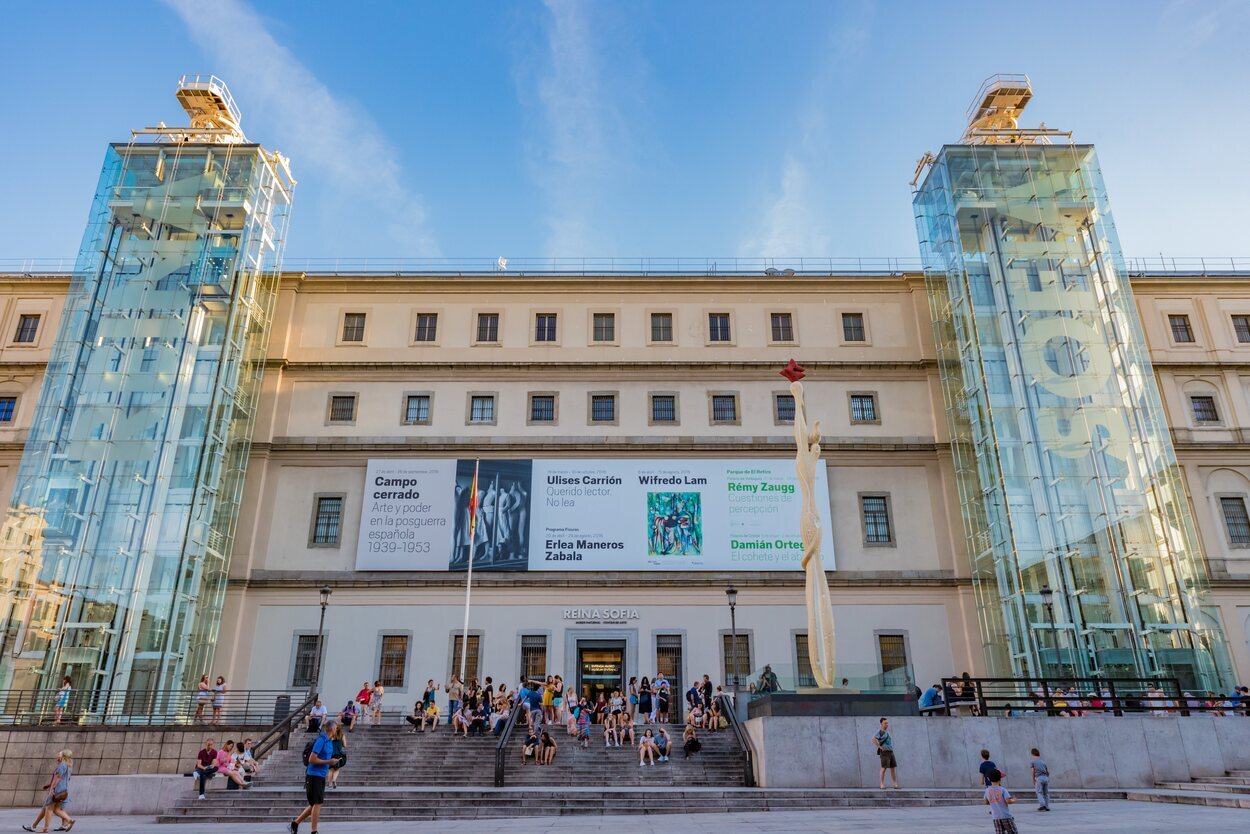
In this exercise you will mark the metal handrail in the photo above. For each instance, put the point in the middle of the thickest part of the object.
(140, 707)
(744, 743)
(990, 695)
(280, 733)
(501, 748)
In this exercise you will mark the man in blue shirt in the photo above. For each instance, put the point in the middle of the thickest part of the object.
(319, 760)
(931, 697)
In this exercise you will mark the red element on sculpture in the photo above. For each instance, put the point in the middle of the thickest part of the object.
(793, 371)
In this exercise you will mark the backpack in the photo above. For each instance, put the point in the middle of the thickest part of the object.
(308, 751)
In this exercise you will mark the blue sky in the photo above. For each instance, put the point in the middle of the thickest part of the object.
(630, 128)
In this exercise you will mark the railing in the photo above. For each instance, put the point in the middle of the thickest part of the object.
(139, 707)
(744, 744)
(501, 749)
(1071, 696)
(280, 734)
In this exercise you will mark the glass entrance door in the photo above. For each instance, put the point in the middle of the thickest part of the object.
(601, 669)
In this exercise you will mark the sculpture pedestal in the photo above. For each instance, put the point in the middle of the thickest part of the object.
(838, 702)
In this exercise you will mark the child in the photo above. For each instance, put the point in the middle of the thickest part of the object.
(986, 767)
(999, 798)
(1041, 780)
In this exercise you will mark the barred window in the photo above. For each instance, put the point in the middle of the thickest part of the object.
(603, 408)
(8, 405)
(305, 660)
(545, 327)
(783, 327)
(724, 408)
(1182, 331)
(876, 515)
(893, 649)
(863, 408)
(605, 327)
(718, 327)
(488, 327)
(784, 404)
(354, 327)
(853, 327)
(1204, 409)
(482, 409)
(471, 660)
(1241, 326)
(661, 327)
(663, 408)
(803, 659)
(743, 654)
(27, 328)
(417, 408)
(533, 656)
(328, 521)
(542, 408)
(1236, 520)
(342, 408)
(391, 669)
(427, 327)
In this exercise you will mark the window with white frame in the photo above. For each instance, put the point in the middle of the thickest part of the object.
(482, 408)
(417, 409)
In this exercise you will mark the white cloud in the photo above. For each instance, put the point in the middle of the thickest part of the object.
(319, 131)
(790, 226)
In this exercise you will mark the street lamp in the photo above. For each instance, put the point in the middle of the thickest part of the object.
(1048, 602)
(731, 594)
(326, 590)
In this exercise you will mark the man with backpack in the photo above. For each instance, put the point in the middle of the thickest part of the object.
(318, 756)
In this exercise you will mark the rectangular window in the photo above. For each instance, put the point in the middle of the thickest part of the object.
(534, 656)
(417, 408)
(783, 327)
(305, 661)
(853, 327)
(342, 408)
(488, 327)
(8, 405)
(329, 520)
(668, 662)
(545, 327)
(663, 408)
(1241, 326)
(1236, 521)
(1182, 331)
(804, 661)
(27, 329)
(354, 327)
(743, 653)
(876, 514)
(661, 327)
(482, 409)
(605, 327)
(542, 408)
(863, 408)
(1204, 409)
(784, 404)
(394, 659)
(427, 327)
(470, 669)
(603, 408)
(724, 408)
(893, 650)
(718, 327)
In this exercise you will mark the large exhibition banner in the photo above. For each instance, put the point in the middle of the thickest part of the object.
(596, 515)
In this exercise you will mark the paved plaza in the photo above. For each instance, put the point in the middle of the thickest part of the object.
(1078, 817)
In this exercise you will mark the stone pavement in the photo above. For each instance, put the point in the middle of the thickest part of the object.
(1079, 817)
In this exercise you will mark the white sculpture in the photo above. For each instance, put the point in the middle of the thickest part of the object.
(820, 641)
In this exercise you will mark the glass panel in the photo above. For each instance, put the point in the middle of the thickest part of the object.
(783, 327)
(741, 652)
(329, 515)
(605, 327)
(804, 667)
(785, 408)
(668, 662)
(417, 409)
(354, 327)
(542, 408)
(7, 406)
(1204, 409)
(863, 408)
(27, 328)
(1181, 329)
(394, 659)
(427, 327)
(1236, 520)
(724, 408)
(471, 661)
(1241, 326)
(534, 656)
(305, 660)
(545, 327)
(718, 327)
(482, 410)
(893, 659)
(488, 327)
(603, 408)
(661, 327)
(342, 409)
(663, 408)
(876, 519)
(852, 327)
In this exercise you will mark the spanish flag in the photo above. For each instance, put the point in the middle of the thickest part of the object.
(473, 503)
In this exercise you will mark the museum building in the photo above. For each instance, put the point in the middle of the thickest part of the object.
(1037, 452)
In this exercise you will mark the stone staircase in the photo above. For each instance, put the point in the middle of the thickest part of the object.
(1229, 791)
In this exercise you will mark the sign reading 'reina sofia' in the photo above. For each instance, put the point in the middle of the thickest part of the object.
(594, 515)
(600, 614)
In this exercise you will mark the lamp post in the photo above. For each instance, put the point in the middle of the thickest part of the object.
(1048, 602)
(731, 594)
(326, 590)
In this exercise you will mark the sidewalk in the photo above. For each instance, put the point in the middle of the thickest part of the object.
(1076, 818)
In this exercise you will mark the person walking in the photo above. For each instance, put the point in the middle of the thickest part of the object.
(885, 752)
(219, 699)
(375, 704)
(320, 757)
(58, 796)
(1041, 780)
(987, 767)
(338, 752)
(1000, 799)
(62, 699)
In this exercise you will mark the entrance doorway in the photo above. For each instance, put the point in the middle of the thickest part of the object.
(600, 668)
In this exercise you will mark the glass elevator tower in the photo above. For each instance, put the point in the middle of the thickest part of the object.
(1067, 477)
(115, 548)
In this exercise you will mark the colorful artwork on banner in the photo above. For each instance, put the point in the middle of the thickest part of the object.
(597, 515)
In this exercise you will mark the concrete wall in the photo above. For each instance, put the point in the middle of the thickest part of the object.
(1088, 752)
(28, 755)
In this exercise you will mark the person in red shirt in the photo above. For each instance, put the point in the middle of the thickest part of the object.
(205, 765)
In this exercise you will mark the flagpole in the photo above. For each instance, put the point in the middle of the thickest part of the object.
(468, 585)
